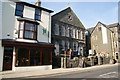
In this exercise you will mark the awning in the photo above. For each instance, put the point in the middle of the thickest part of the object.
(26, 44)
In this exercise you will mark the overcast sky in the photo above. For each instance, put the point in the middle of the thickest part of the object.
(89, 13)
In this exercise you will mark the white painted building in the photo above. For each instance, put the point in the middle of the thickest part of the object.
(25, 36)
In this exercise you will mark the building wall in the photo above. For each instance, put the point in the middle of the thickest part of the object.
(88, 42)
(115, 41)
(67, 35)
(0, 20)
(119, 38)
(9, 21)
(11, 25)
(45, 24)
(99, 41)
(1, 56)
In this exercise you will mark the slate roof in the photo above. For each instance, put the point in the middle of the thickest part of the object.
(31, 5)
(90, 29)
(107, 26)
(62, 16)
(113, 25)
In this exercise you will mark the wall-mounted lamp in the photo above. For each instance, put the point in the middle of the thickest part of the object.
(16, 31)
(8, 34)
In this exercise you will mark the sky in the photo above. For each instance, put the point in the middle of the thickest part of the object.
(89, 13)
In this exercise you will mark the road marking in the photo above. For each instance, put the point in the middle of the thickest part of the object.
(108, 73)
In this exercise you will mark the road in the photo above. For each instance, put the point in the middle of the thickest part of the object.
(102, 72)
(111, 72)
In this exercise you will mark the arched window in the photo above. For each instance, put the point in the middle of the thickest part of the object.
(56, 29)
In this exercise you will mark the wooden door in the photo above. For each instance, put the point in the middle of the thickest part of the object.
(7, 61)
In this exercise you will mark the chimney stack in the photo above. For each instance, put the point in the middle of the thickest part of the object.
(38, 3)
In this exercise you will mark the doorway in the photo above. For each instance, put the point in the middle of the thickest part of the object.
(116, 55)
(46, 57)
(8, 57)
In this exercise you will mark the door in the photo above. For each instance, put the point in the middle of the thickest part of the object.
(116, 55)
(46, 57)
(8, 56)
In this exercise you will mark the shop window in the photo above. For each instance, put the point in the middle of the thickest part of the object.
(28, 57)
(46, 57)
(23, 57)
(34, 57)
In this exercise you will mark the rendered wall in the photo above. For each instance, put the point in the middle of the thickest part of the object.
(1, 56)
(44, 24)
(11, 25)
(28, 12)
(0, 20)
(9, 20)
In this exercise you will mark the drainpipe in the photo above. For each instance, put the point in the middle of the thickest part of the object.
(49, 29)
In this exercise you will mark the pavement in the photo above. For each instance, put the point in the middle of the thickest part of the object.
(43, 73)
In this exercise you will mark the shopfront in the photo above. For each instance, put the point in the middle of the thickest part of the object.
(19, 55)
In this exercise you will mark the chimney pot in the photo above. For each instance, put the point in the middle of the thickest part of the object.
(38, 3)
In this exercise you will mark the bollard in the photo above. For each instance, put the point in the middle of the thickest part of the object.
(104, 60)
(99, 60)
(92, 61)
(62, 62)
(65, 62)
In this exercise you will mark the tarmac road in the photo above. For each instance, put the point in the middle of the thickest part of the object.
(109, 72)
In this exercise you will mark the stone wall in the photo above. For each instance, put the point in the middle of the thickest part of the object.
(72, 63)
(66, 62)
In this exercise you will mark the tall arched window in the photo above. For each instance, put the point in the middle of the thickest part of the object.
(56, 29)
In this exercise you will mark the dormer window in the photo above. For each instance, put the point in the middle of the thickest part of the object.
(19, 10)
(37, 14)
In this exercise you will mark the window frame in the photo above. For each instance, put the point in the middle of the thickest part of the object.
(41, 53)
(23, 34)
(19, 10)
(34, 32)
(37, 14)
